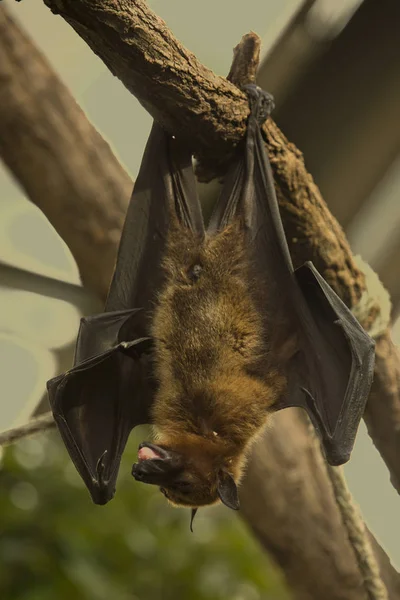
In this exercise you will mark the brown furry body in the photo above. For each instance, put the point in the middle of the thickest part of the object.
(216, 377)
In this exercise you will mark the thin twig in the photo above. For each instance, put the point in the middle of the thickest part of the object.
(37, 425)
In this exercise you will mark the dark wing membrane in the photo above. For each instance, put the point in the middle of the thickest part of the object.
(95, 405)
(165, 185)
(99, 333)
(347, 369)
(330, 370)
(110, 389)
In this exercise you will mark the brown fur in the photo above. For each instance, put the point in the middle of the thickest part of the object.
(215, 373)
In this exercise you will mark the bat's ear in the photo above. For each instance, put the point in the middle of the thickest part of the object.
(192, 516)
(227, 490)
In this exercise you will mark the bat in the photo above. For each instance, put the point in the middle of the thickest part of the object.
(207, 330)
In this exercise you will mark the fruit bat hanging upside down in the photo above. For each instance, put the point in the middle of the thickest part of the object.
(207, 330)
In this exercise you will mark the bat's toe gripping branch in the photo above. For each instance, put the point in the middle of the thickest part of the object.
(261, 102)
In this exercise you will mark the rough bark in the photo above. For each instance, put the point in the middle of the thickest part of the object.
(64, 165)
(286, 487)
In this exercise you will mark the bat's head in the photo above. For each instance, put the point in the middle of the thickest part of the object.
(187, 475)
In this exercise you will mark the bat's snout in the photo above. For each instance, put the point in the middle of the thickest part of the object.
(156, 465)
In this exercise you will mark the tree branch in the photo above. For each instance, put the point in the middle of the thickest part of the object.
(286, 497)
(57, 155)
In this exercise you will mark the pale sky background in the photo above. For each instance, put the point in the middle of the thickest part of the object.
(35, 328)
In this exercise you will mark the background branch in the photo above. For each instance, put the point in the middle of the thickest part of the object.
(37, 425)
(286, 498)
(57, 155)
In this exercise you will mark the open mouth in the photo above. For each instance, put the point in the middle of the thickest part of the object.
(156, 465)
(150, 452)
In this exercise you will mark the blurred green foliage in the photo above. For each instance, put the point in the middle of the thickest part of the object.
(56, 545)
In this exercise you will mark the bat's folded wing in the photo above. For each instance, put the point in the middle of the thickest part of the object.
(106, 393)
(330, 375)
(334, 366)
(327, 356)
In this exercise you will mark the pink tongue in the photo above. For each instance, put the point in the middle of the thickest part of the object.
(146, 453)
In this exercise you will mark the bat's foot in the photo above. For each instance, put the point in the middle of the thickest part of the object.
(261, 102)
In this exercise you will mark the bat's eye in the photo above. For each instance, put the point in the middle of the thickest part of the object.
(195, 272)
(164, 491)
